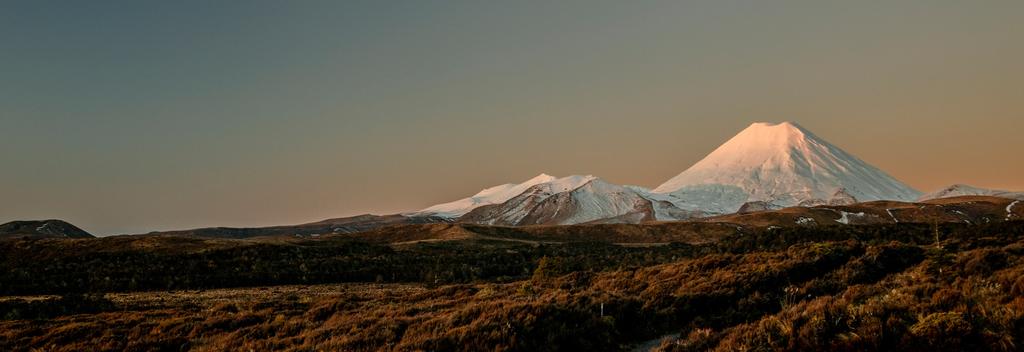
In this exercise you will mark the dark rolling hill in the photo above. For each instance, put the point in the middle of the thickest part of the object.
(964, 209)
(42, 229)
(338, 225)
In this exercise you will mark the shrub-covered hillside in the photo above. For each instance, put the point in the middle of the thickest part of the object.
(845, 288)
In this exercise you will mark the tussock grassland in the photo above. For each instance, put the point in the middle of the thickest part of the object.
(847, 288)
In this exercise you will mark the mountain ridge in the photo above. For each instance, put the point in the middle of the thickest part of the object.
(569, 200)
(766, 165)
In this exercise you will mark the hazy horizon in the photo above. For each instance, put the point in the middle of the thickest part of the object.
(122, 117)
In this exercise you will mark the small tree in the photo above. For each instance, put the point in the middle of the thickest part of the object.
(543, 271)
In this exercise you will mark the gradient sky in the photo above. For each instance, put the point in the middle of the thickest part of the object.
(126, 117)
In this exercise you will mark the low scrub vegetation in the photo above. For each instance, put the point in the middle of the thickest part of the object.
(846, 288)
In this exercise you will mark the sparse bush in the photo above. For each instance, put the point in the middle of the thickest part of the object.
(836, 289)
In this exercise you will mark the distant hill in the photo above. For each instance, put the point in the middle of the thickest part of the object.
(339, 225)
(967, 190)
(42, 229)
(963, 209)
(626, 234)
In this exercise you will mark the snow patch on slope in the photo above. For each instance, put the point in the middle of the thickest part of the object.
(805, 221)
(891, 215)
(845, 217)
(966, 218)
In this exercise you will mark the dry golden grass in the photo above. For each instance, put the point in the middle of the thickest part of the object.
(766, 291)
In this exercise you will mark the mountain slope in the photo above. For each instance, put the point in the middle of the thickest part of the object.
(338, 225)
(42, 229)
(781, 164)
(966, 190)
(493, 195)
(569, 200)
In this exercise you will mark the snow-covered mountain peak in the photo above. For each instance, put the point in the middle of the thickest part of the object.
(567, 183)
(501, 189)
(773, 130)
(767, 164)
(487, 196)
(541, 178)
(760, 145)
(781, 163)
(572, 200)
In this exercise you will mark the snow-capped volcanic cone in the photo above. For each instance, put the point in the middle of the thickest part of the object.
(493, 195)
(966, 190)
(568, 200)
(766, 165)
(781, 164)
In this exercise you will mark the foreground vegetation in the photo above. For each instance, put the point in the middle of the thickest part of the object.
(829, 288)
(137, 263)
